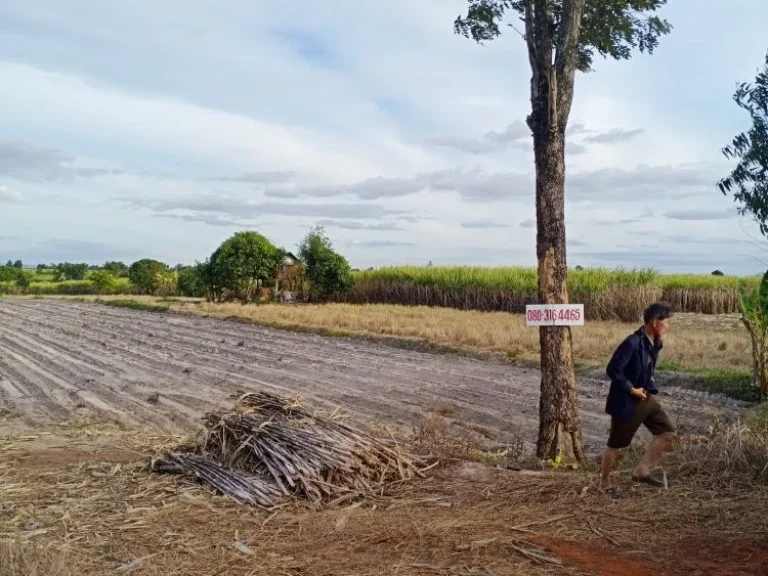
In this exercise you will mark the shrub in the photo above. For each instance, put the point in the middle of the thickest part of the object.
(22, 281)
(167, 283)
(9, 274)
(144, 275)
(328, 272)
(103, 282)
(190, 282)
(754, 315)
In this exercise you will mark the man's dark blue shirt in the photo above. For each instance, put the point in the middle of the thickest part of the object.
(631, 366)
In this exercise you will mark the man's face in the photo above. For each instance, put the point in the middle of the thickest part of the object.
(660, 327)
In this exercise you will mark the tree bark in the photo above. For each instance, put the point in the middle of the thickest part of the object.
(551, 97)
(559, 424)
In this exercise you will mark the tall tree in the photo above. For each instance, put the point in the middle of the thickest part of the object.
(749, 179)
(240, 265)
(328, 271)
(561, 37)
(144, 274)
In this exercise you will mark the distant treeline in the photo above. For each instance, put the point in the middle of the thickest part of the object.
(249, 268)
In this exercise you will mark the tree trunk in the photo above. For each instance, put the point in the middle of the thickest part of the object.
(559, 425)
(552, 83)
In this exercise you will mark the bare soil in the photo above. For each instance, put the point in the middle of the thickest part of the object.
(61, 360)
(89, 393)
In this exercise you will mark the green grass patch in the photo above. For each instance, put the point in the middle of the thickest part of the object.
(135, 305)
(736, 384)
(757, 418)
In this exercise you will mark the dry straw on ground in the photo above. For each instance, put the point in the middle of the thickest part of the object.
(694, 341)
(90, 515)
(269, 447)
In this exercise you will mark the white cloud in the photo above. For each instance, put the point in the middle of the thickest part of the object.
(700, 214)
(170, 125)
(8, 195)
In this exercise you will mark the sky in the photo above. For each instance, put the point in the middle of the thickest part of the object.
(136, 129)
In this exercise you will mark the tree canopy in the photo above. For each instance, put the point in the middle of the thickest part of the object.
(328, 271)
(240, 265)
(116, 268)
(145, 274)
(610, 28)
(70, 271)
(9, 273)
(190, 281)
(748, 182)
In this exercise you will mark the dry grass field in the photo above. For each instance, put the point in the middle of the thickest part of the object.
(77, 499)
(695, 342)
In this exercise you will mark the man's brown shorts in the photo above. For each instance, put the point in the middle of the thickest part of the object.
(649, 413)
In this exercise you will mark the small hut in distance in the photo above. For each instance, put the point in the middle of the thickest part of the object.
(290, 282)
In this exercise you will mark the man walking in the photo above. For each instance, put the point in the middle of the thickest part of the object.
(631, 398)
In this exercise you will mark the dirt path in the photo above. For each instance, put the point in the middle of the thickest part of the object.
(62, 359)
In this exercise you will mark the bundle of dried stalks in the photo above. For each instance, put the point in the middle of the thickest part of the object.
(268, 447)
(242, 488)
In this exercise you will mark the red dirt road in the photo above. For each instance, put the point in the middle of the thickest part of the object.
(63, 359)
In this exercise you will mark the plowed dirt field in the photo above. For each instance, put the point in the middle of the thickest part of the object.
(63, 359)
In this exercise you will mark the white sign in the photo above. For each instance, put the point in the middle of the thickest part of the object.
(554, 315)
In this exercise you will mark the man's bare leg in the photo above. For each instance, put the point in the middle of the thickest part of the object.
(653, 454)
(606, 467)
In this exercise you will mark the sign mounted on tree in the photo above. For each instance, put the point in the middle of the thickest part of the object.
(561, 37)
(554, 315)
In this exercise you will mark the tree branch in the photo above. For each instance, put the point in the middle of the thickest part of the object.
(529, 36)
(567, 57)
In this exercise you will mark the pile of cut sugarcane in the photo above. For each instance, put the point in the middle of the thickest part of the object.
(268, 447)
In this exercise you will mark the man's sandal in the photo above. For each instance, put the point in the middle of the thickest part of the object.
(650, 480)
(613, 492)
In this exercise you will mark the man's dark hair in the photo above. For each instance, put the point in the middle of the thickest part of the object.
(657, 311)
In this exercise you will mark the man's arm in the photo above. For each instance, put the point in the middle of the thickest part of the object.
(618, 363)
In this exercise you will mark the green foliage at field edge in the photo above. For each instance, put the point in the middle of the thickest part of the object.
(135, 305)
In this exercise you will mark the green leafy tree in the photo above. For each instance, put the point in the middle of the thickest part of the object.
(9, 274)
(9, 264)
(68, 271)
(117, 269)
(22, 281)
(41, 267)
(562, 37)
(18, 264)
(144, 275)
(240, 265)
(328, 272)
(748, 182)
(103, 281)
(190, 281)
